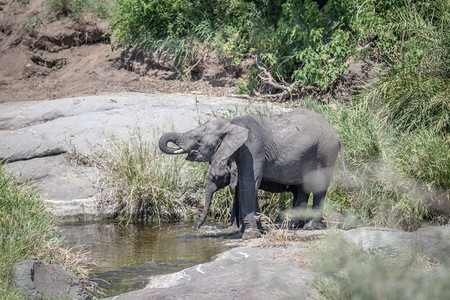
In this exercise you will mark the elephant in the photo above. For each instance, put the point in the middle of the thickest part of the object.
(294, 148)
(213, 184)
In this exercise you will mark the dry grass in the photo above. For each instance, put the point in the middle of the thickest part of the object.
(283, 235)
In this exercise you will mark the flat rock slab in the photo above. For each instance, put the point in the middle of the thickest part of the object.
(433, 241)
(240, 273)
(35, 135)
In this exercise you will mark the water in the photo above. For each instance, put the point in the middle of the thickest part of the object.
(124, 256)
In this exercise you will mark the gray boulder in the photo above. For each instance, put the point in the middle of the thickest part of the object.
(42, 280)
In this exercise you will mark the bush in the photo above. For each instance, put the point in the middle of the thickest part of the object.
(171, 26)
(308, 44)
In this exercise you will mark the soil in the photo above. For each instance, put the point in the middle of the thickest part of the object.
(45, 57)
(65, 57)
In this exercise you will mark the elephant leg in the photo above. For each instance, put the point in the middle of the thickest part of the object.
(316, 221)
(300, 201)
(248, 184)
(235, 215)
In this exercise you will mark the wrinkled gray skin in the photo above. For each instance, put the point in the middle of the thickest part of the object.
(295, 148)
(213, 184)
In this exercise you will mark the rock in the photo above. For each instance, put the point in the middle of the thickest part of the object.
(42, 280)
(431, 241)
(240, 273)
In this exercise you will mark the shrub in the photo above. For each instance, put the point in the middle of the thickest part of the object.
(172, 26)
(303, 47)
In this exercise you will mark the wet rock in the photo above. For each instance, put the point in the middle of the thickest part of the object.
(241, 273)
(42, 280)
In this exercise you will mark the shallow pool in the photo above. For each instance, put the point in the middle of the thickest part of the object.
(124, 256)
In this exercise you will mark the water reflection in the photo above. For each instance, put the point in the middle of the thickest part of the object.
(126, 255)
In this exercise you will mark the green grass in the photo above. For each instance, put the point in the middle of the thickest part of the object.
(348, 272)
(77, 8)
(144, 182)
(413, 92)
(27, 231)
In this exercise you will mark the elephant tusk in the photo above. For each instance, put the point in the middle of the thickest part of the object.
(179, 151)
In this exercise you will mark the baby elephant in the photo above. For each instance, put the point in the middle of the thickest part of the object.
(230, 176)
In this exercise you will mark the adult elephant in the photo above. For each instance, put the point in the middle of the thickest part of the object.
(295, 148)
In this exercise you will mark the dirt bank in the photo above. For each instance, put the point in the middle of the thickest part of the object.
(45, 57)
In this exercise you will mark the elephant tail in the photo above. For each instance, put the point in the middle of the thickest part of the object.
(346, 174)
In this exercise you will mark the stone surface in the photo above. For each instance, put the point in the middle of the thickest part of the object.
(240, 273)
(35, 135)
(433, 241)
(42, 280)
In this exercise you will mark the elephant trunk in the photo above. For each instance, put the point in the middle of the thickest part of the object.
(170, 137)
(209, 195)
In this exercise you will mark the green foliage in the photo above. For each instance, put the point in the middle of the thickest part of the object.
(26, 231)
(308, 45)
(77, 8)
(414, 91)
(226, 24)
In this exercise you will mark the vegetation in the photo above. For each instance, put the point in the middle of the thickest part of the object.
(349, 272)
(77, 8)
(28, 231)
(142, 181)
(397, 177)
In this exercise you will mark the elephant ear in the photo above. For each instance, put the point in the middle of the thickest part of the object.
(233, 137)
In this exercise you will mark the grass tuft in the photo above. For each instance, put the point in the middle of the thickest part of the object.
(142, 181)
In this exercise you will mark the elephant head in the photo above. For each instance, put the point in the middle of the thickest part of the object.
(215, 183)
(212, 142)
